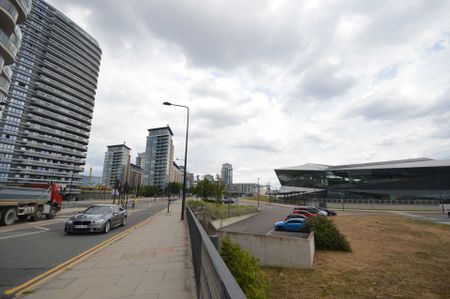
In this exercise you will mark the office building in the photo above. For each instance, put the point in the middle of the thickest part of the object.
(248, 189)
(176, 173)
(208, 177)
(12, 13)
(421, 178)
(135, 176)
(140, 160)
(47, 119)
(116, 165)
(158, 157)
(227, 175)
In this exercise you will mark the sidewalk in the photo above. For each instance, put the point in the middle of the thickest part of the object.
(153, 261)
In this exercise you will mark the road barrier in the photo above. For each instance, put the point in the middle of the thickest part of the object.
(212, 277)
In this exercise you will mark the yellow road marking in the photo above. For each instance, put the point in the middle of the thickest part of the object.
(40, 279)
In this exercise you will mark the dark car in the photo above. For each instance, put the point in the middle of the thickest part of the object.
(330, 212)
(228, 200)
(97, 218)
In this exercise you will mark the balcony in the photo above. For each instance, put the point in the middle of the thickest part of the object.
(52, 123)
(4, 85)
(56, 76)
(65, 96)
(47, 130)
(61, 102)
(52, 107)
(8, 16)
(76, 51)
(55, 140)
(7, 49)
(34, 144)
(69, 61)
(49, 164)
(48, 156)
(7, 72)
(24, 9)
(89, 100)
(73, 74)
(54, 116)
(83, 73)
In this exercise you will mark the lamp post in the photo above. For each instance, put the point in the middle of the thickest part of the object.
(183, 201)
(258, 193)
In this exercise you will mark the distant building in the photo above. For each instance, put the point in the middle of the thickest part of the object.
(249, 189)
(176, 173)
(158, 157)
(208, 177)
(135, 176)
(91, 181)
(116, 164)
(140, 160)
(227, 175)
(190, 180)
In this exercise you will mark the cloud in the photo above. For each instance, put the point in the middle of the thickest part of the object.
(271, 83)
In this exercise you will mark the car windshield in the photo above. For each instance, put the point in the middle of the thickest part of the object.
(98, 210)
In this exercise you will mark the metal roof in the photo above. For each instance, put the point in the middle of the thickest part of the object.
(406, 163)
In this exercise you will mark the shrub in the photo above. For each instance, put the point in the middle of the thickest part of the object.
(326, 235)
(245, 269)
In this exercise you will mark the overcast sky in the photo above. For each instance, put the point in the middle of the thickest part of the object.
(272, 83)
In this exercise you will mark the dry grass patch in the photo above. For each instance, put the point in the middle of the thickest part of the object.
(392, 257)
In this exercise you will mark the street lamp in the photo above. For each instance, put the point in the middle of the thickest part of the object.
(183, 201)
(258, 192)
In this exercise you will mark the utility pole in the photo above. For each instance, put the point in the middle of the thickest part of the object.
(258, 193)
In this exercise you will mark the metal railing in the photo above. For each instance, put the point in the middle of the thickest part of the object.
(213, 278)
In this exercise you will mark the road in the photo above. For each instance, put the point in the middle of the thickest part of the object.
(29, 249)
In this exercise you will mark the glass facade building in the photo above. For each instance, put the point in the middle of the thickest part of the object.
(401, 179)
(46, 124)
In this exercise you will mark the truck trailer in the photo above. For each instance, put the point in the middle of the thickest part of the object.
(32, 201)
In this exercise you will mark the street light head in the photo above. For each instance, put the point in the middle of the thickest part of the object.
(167, 104)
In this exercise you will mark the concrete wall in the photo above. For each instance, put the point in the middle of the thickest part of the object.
(287, 252)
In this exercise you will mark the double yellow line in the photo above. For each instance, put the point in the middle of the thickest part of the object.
(40, 279)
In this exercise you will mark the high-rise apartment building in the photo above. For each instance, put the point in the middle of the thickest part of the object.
(12, 13)
(227, 175)
(135, 176)
(47, 119)
(158, 157)
(140, 160)
(116, 165)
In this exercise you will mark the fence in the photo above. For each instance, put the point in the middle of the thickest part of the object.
(212, 277)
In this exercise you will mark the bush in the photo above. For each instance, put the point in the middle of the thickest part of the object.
(326, 235)
(245, 269)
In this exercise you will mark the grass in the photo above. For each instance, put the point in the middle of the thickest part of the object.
(393, 257)
(222, 211)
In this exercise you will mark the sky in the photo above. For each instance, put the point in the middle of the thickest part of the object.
(271, 84)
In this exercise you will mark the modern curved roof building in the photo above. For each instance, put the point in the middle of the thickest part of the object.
(421, 178)
(12, 13)
(47, 120)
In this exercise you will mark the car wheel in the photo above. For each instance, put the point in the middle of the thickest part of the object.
(37, 215)
(124, 221)
(107, 227)
(8, 216)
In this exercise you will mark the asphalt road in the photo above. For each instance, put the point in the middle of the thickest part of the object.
(34, 248)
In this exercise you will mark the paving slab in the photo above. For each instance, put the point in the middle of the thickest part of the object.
(154, 261)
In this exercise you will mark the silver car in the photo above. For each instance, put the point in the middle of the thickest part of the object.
(97, 218)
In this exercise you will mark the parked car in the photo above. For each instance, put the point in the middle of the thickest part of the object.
(330, 212)
(313, 210)
(294, 216)
(97, 218)
(305, 213)
(228, 200)
(291, 225)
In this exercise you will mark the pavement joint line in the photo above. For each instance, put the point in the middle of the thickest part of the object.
(43, 277)
(269, 232)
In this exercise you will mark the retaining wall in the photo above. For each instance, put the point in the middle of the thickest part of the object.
(287, 252)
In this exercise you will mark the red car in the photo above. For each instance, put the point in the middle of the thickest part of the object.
(294, 216)
(305, 213)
